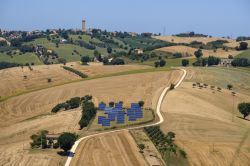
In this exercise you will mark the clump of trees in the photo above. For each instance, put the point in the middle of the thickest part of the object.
(243, 38)
(241, 62)
(4, 65)
(88, 112)
(164, 142)
(69, 104)
(185, 62)
(82, 75)
(160, 63)
(66, 141)
(141, 103)
(85, 60)
(39, 140)
(244, 109)
(243, 46)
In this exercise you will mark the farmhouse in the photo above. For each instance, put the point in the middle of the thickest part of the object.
(226, 62)
(138, 51)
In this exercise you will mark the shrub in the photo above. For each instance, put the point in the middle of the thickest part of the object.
(141, 103)
(183, 153)
(185, 62)
(177, 55)
(49, 80)
(172, 86)
(85, 60)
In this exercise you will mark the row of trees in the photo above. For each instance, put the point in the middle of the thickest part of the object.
(82, 75)
(164, 142)
(88, 111)
(241, 62)
(69, 104)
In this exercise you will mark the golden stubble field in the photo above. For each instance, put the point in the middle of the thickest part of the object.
(185, 49)
(176, 39)
(24, 115)
(16, 80)
(206, 126)
(117, 149)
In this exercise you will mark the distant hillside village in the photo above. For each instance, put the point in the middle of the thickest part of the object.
(54, 46)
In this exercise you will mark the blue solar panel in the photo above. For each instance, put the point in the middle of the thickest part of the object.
(111, 116)
(106, 122)
(102, 106)
(100, 118)
(118, 105)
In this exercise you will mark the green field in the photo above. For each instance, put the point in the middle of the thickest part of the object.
(221, 77)
(20, 59)
(148, 116)
(245, 54)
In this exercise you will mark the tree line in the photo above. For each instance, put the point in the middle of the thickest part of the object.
(82, 75)
(164, 143)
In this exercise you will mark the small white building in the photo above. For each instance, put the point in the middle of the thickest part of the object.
(138, 51)
(63, 41)
(225, 62)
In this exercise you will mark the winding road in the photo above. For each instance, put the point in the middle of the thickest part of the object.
(158, 111)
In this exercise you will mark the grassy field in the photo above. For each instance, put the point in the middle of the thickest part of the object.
(221, 77)
(245, 54)
(20, 59)
(64, 50)
(148, 115)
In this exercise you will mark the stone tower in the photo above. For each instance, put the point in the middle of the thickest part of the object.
(83, 25)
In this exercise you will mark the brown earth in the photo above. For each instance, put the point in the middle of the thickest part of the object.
(205, 126)
(117, 149)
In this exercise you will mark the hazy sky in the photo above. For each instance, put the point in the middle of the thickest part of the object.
(213, 17)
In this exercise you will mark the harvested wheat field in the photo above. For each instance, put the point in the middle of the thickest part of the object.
(189, 50)
(176, 39)
(205, 126)
(15, 139)
(117, 149)
(235, 43)
(16, 80)
(24, 115)
(97, 69)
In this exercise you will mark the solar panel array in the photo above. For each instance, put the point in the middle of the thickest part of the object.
(117, 114)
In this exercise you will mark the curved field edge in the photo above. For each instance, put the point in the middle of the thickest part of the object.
(86, 79)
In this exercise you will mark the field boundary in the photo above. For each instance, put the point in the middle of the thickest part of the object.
(158, 112)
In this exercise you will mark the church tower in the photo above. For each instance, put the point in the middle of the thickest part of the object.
(83, 25)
